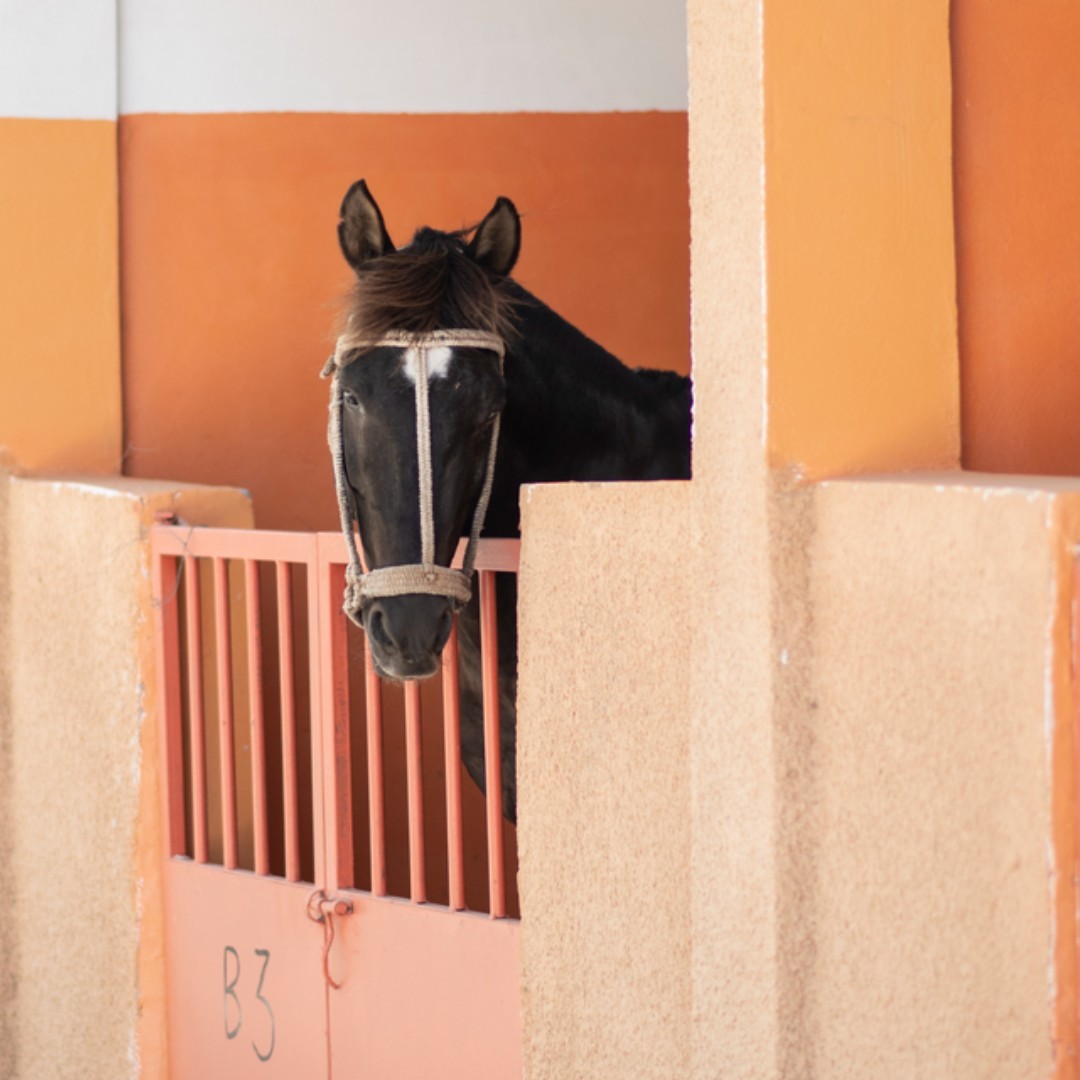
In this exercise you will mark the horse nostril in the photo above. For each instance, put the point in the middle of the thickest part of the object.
(377, 627)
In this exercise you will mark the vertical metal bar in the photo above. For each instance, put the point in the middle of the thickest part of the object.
(455, 852)
(196, 718)
(166, 610)
(318, 581)
(336, 739)
(225, 717)
(489, 670)
(376, 812)
(414, 768)
(291, 801)
(253, 620)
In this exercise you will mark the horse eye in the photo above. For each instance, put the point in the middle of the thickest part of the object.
(350, 399)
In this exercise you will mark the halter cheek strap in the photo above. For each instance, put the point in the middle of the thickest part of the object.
(425, 577)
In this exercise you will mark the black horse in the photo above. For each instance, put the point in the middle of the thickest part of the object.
(569, 411)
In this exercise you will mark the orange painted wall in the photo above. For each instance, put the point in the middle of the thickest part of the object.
(1017, 103)
(59, 318)
(862, 322)
(232, 272)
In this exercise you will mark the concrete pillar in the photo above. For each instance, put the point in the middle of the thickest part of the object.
(823, 342)
(81, 994)
(604, 827)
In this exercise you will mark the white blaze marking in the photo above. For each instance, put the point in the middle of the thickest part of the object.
(438, 363)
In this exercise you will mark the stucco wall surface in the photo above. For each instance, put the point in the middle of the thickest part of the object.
(733, 826)
(80, 910)
(8, 943)
(924, 793)
(914, 883)
(602, 759)
(823, 328)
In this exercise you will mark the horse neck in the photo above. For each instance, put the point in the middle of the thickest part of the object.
(576, 412)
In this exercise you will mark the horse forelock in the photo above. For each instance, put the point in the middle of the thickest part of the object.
(433, 284)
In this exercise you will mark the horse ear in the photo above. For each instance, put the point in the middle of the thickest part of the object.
(497, 240)
(361, 230)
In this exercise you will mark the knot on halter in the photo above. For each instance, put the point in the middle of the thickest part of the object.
(353, 592)
(425, 577)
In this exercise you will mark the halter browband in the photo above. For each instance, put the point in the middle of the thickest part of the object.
(425, 577)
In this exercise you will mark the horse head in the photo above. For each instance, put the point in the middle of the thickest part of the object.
(418, 393)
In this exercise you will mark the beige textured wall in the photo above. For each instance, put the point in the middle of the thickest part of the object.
(796, 210)
(908, 774)
(734, 902)
(77, 664)
(604, 829)
(925, 798)
(8, 943)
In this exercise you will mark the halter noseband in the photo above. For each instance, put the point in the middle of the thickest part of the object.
(425, 577)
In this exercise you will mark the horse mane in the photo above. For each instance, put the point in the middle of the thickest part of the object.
(432, 284)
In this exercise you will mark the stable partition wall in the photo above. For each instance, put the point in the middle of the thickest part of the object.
(933, 807)
(240, 132)
(880, 774)
(881, 769)
(824, 344)
(59, 409)
(59, 316)
(81, 838)
(606, 609)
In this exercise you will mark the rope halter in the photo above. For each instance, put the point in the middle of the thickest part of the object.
(425, 577)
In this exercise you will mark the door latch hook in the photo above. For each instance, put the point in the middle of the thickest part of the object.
(322, 909)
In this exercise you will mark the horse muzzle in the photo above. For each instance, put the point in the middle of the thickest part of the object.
(407, 634)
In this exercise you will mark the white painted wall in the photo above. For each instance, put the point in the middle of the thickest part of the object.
(393, 56)
(58, 59)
